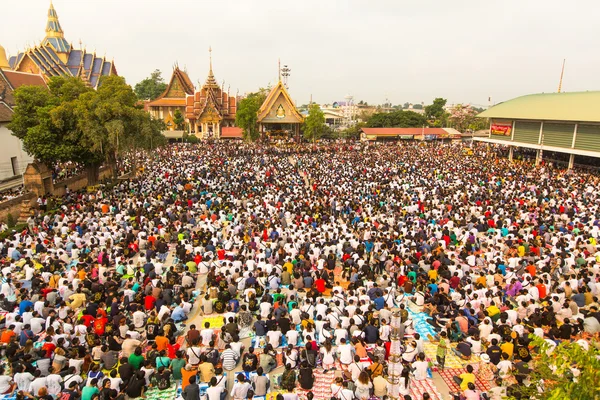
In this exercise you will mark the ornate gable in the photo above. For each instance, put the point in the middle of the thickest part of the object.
(278, 107)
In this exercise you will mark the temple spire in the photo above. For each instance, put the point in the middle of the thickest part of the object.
(54, 33)
(211, 81)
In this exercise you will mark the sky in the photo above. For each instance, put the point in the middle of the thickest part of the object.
(401, 51)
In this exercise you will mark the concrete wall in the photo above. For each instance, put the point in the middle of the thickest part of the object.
(10, 146)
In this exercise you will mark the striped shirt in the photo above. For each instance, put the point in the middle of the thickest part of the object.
(229, 359)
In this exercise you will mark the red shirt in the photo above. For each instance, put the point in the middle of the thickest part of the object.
(49, 348)
(149, 302)
(87, 320)
(99, 325)
(320, 285)
(542, 289)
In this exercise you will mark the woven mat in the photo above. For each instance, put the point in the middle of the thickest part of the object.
(452, 360)
(321, 388)
(448, 373)
(156, 394)
(421, 325)
(419, 388)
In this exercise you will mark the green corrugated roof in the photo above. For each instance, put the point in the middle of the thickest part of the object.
(575, 106)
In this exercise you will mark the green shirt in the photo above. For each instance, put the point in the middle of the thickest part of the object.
(442, 348)
(88, 392)
(136, 361)
(177, 364)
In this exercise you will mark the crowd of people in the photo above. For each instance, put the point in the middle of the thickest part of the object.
(317, 257)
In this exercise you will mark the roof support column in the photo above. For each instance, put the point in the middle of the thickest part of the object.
(574, 136)
(510, 153)
(571, 161)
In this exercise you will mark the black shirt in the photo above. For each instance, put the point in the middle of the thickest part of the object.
(495, 353)
(126, 372)
(284, 324)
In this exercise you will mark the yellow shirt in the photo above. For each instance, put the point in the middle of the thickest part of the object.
(432, 274)
(507, 348)
(289, 267)
(493, 310)
(466, 379)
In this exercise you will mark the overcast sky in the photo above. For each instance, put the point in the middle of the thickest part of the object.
(463, 50)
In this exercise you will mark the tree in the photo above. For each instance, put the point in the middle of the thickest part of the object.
(567, 371)
(246, 116)
(72, 122)
(151, 87)
(462, 117)
(435, 113)
(314, 123)
(418, 106)
(397, 119)
(46, 122)
(178, 120)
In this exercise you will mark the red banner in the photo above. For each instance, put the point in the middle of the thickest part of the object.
(502, 130)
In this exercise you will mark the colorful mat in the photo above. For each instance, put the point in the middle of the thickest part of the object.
(215, 321)
(419, 388)
(420, 324)
(448, 374)
(452, 360)
(321, 387)
(156, 394)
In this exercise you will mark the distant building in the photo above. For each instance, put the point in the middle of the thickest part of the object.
(566, 124)
(13, 159)
(210, 109)
(172, 99)
(278, 116)
(392, 134)
(54, 56)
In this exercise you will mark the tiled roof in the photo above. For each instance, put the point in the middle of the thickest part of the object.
(404, 131)
(167, 102)
(231, 132)
(17, 79)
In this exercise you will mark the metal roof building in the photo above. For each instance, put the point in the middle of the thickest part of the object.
(559, 122)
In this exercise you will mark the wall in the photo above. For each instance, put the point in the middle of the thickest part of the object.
(14, 206)
(78, 182)
(10, 146)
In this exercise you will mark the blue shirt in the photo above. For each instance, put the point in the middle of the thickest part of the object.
(178, 314)
(379, 302)
(23, 306)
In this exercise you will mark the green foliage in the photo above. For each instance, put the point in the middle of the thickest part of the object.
(314, 123)
(151, 87)
(178, 120)
(397, 119)
(353, 132)
(246, 116)
(418, 106)
(566, 372)
(435, 113)
(191, 139)
(10, 220)
(72, 122)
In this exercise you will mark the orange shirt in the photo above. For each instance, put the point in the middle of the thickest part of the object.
(105, 208)
(81, 274)
(161, 343)
(186, 375)
(542, 289)
(6, 335)
(531, 269)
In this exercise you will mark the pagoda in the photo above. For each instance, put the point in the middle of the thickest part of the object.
(55, 56)
(210, 109)
(172, 99)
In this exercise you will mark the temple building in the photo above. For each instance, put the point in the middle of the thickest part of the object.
(210, 109)
(13, 157)
(54, 56)
(164, 107)
(278, 116)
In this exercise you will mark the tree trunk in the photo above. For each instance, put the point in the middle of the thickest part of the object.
(93, 174)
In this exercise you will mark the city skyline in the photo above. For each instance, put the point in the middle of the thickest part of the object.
(380, 51)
